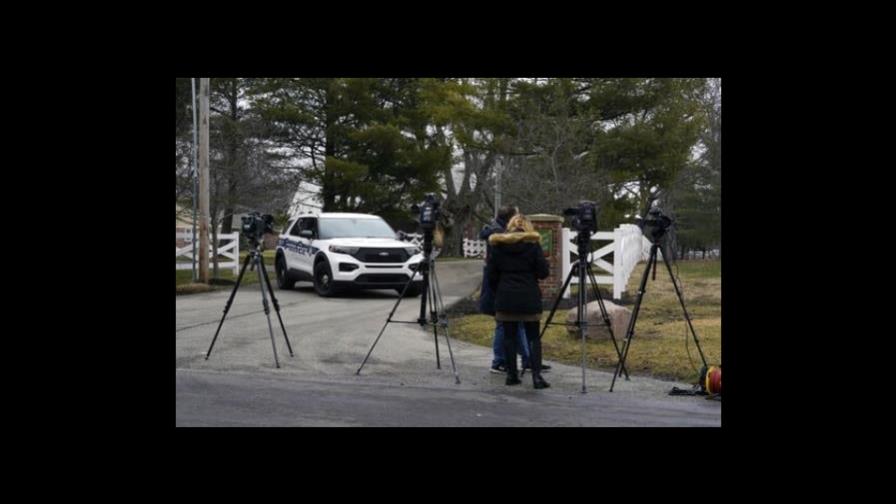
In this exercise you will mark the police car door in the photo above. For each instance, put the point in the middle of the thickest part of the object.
(305, 252)
(291, 244)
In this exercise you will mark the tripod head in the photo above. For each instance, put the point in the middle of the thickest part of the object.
(583, 246)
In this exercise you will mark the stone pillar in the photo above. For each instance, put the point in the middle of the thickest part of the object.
(550, 228)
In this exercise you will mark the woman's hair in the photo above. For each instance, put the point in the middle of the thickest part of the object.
(519, 222)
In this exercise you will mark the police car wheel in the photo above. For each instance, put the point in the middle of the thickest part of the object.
(323, 280)
(283, 279)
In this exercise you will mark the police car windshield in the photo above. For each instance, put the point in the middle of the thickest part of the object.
(354, 228)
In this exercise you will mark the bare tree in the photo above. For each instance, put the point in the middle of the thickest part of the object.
(553, 167)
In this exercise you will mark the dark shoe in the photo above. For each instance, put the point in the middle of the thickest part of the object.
(512, 379)
(538, 382)
(499, 369)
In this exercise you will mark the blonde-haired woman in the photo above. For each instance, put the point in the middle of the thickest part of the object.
(515, 265)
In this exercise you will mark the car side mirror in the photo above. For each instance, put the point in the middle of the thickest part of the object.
(306, 233)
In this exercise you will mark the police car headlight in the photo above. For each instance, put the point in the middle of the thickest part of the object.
(343, 250)
(412, 250)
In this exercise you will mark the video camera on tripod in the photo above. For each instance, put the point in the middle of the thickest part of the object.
(584, 221)
(429, 212)
(656, 224)
(256, 225)
(584, 217)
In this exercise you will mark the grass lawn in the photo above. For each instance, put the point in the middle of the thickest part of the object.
(658, 347)
(226, 278)
(267, 254)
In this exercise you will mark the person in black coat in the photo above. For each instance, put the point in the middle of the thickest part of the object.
(515, 265)
(487, 297)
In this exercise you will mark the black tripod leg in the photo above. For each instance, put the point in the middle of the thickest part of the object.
(686, 315)
(627, 342)
(606, 318)
(267, 309)
(433, 314)
(229, 301)
(557, 301)
(389, 319)
(440, 315)
(267, 281)
(425, 294)
(554, 308)
(581, 319)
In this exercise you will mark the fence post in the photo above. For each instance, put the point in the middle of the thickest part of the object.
(564, 258)
(236, 252)
(619, 263)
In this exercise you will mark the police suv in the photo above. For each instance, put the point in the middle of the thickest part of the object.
(341, 251)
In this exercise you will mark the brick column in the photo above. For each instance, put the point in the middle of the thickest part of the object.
(549, 226)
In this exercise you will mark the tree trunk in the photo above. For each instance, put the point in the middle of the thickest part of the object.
(227, 221)
(456, 243)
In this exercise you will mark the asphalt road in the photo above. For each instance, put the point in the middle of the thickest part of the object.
(399, 386)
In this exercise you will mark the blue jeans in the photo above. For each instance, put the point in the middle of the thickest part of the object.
(498, 345)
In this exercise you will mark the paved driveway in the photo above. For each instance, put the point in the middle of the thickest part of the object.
(399, 385)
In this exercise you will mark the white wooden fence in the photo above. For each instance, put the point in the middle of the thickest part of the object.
(474, 248)
(231, 251)
(417, 239)
(628, 246)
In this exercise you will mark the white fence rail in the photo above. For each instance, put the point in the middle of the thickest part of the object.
(417, 239)
(231, 251)
(474, 248)
(627, 245)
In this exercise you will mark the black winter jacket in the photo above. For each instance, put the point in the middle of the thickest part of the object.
(487, 293)
(515, 264)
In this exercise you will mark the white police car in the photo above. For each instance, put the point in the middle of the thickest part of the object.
(340, 251)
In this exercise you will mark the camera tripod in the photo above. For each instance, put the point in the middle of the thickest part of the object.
(432, 293)
(658, 241)
(582, 268)
(255, 258)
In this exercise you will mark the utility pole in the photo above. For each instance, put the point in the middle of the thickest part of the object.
(194, 176)
(203, 180)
